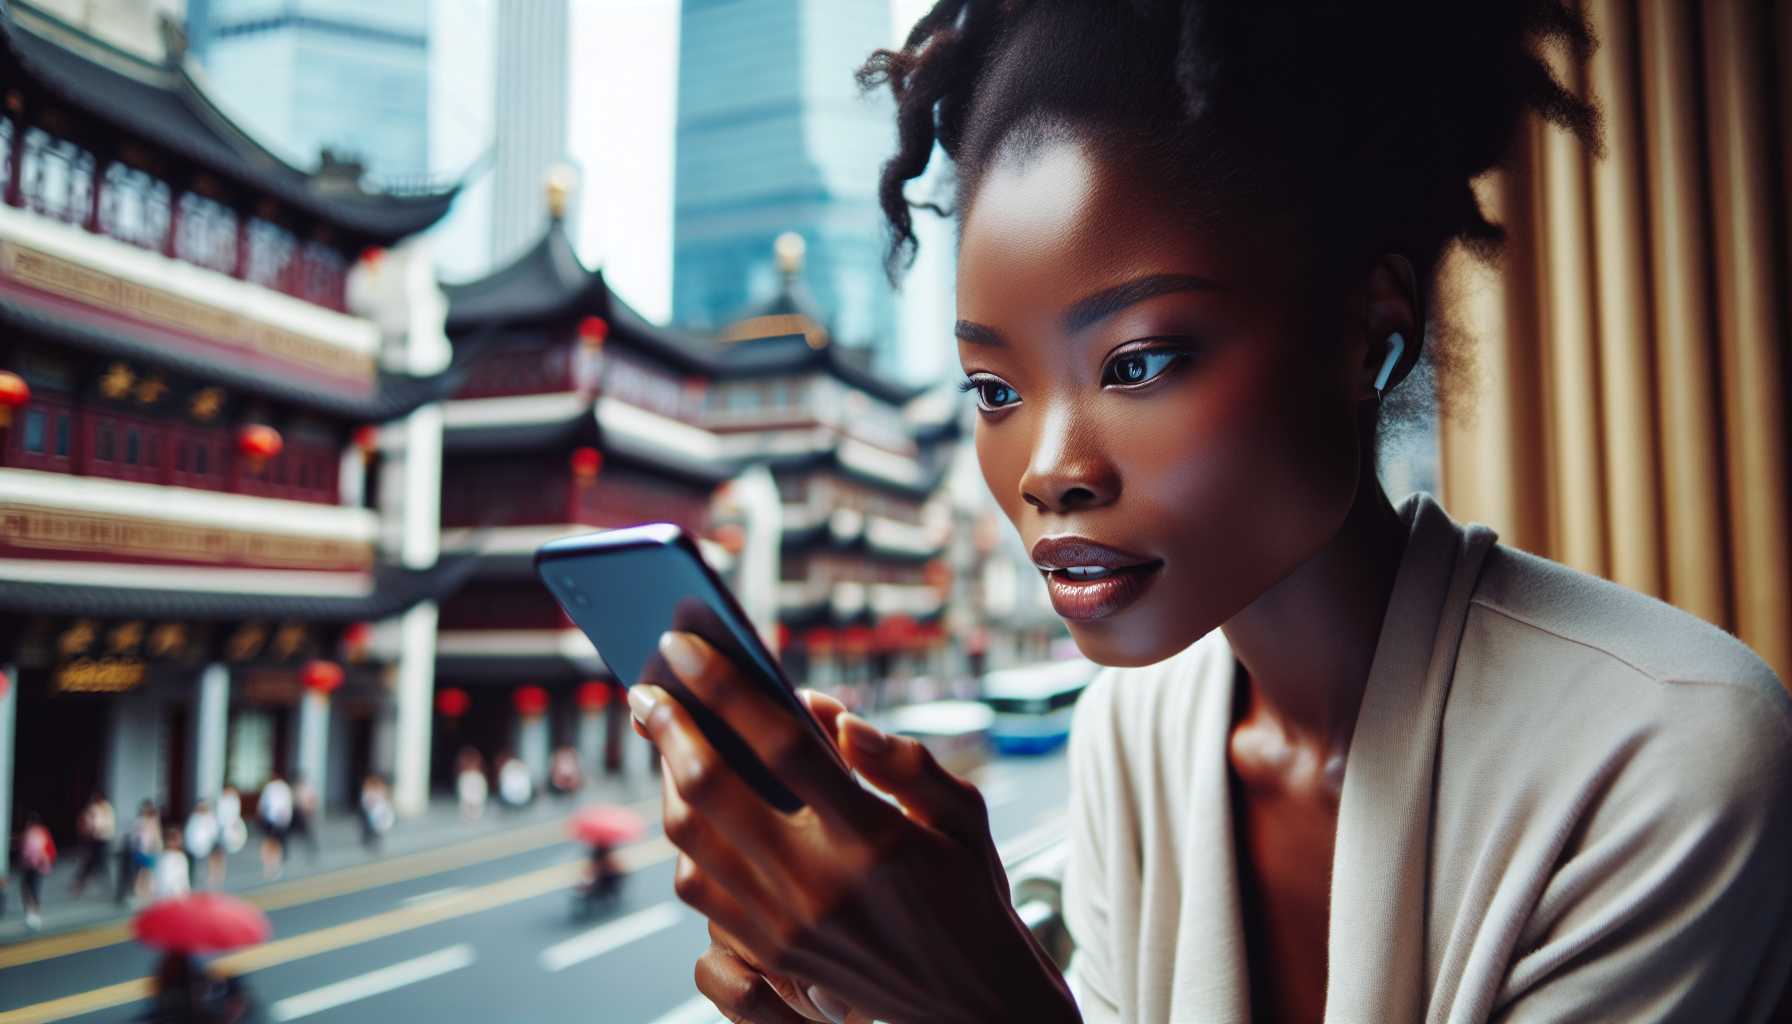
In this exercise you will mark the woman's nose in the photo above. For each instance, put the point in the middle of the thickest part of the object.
(1067, 470)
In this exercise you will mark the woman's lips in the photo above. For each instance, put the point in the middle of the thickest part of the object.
(1099, 596)
(1091, 580)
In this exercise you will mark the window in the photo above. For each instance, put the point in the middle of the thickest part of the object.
(56, 177)
(183, 456)
(206, 233)
(201, 452)
(104, 442)
(134, 207)
(271, 249)
(130, 446)
(62, 431)
(152, 450)
(35, 423)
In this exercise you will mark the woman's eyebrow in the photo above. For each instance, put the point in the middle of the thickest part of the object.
(1102, 304)
(1108, 301)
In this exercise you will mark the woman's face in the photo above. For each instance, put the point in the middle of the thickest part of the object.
(1144, 387)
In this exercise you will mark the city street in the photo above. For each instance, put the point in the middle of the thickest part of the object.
(458, 934)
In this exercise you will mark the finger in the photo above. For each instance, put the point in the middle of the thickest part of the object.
(783, 984)
(705, 782)
(740, 992)
(733, 875)
(904, 768)
(788, 747)
(827, 710)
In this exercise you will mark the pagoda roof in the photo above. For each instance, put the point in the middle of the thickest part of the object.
(166, 105)
(582, 427)
(829, 460)
(549, 284)
(394, 395)
(394, 590)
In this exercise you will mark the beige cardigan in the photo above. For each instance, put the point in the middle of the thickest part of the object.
(1562, 801)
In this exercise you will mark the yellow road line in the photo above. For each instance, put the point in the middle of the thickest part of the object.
(324, 940)
(317, 887)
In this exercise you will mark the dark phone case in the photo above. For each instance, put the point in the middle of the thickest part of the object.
(693, 614)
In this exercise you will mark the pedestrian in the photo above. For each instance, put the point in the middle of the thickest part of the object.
(304, 813)
(564, 775)
(98, 826)
(136, 855)
(274, 807)
(171, 875)
(515, 786)
(201, 840)
(37, 855)
(233, 834)
(470, 785)
(377, 815)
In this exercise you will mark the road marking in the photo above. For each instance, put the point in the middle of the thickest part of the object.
(373, 983)
(697, 1011)
(613, 935)
(432, 895)
(340, 882)
(377, 926)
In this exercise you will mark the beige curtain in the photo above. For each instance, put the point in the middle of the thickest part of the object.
(1629, 409)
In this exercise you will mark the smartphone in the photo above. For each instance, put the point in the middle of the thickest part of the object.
(625, 587)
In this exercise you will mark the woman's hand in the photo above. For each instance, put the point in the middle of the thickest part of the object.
(901, 913)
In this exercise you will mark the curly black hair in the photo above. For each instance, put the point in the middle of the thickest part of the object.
(1365, 122)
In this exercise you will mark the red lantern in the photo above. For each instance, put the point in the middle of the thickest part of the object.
(367, 439)
(895, 632)
(585, 464)
(452, 703)
(321, 676)
(732, 537)
(14, 392)
(258, 443)
(593, 330)
(355, 638)
(372, 256)
(530, 701)
(593, 695)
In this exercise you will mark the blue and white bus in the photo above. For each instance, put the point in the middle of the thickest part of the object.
(1033, 703)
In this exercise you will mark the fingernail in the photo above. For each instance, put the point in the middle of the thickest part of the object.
(640, 702)
(865, 736)
(826, 1003)
(682, 653)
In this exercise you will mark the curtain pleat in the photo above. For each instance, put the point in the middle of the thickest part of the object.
(1629, 415)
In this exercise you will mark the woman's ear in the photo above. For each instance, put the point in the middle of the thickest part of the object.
(1394, 307)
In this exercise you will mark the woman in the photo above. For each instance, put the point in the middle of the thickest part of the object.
(1353, 762)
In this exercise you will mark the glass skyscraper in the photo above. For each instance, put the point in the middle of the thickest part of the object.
(774, 136)
(347, 75)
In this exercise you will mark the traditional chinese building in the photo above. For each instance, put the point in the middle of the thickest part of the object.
(204, 453)
(581, 415)
(796, 467)
(862, 580)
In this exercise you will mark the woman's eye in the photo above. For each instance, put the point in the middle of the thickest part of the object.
(1135, 368)
(992, 393)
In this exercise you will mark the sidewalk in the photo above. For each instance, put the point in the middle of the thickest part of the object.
(338, 847)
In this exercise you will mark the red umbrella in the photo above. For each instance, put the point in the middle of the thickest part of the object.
(201, 922)
(607, 824)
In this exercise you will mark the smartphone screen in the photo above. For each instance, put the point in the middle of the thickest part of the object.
(624, 588)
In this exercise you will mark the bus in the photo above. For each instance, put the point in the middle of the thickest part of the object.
(1033, 703)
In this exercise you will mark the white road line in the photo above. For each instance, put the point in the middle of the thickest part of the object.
(432, 896)
(373, 983)
(698, 1011)
(605, 937)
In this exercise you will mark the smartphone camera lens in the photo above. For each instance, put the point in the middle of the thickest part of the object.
(573, 593)
(579, 598)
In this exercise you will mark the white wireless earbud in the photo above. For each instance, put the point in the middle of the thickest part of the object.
(1396, 349)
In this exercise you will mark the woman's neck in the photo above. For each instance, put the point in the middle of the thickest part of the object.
(1306, 644)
